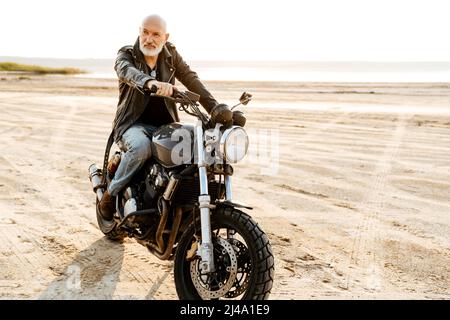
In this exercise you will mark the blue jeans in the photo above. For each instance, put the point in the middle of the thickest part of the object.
(135, 144)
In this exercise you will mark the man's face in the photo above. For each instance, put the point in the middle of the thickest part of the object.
(152, 37)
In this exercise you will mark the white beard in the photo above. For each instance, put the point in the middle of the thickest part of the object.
(150, 52)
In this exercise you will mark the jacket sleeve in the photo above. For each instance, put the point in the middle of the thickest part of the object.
(128, 72)
(191, 81)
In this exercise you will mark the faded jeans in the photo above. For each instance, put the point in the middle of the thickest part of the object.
(135, 144)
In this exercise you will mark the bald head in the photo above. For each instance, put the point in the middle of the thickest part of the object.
(154, 20)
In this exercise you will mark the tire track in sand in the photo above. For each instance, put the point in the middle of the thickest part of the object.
(364, 245)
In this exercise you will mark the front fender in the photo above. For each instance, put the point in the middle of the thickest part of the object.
(232, 204)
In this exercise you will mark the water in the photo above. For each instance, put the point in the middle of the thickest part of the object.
(291, 71)
(261, 74)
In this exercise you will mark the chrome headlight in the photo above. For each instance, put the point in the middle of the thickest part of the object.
(234, 144)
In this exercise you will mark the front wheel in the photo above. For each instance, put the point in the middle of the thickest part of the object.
(242, 256)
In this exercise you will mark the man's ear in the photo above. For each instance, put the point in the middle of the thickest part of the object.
(167, 36)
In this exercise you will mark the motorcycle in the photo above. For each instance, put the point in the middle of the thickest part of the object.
(180, 206)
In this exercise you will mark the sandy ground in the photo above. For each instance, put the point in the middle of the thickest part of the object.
(351, 182)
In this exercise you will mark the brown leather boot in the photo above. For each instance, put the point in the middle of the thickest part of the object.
(107, 206)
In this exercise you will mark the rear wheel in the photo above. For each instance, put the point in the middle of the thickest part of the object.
(109, 228)
(242, 256)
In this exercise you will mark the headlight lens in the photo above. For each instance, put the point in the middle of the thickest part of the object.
(234, 144)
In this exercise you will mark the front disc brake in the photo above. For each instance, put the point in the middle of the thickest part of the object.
(244, 269)
(225, 275)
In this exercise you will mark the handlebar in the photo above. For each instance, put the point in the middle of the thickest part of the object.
(187, 100)
(154, 88)
(188, 103)
(152, 91)
(183, 97)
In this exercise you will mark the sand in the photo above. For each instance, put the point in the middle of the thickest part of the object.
(351, 182)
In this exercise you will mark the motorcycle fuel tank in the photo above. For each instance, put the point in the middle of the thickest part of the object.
(173, 144)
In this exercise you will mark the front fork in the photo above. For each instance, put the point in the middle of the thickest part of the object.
(206, 249)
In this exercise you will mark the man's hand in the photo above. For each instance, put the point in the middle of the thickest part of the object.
(164, 88)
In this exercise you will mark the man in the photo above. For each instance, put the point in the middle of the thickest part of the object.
(151, 61)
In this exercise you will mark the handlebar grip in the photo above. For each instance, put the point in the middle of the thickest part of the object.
(154, 88)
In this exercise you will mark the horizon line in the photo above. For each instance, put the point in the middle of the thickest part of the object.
(233, 60)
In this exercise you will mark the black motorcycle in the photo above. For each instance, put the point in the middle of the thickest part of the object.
(180, 206)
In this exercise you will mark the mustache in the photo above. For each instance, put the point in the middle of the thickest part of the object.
(143, 44)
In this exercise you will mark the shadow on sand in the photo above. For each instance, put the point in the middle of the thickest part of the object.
(92, 274)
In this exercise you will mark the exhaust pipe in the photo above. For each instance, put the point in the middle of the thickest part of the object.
(96, 177)
(171, 187)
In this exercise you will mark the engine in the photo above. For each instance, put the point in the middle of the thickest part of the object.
(156, 181)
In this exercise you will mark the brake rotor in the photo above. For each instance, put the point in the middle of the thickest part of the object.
(242, 280)
(225, 261)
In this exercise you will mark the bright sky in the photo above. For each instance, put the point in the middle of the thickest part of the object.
(344, 30)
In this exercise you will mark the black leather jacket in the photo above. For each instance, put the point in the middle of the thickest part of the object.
(133, 74)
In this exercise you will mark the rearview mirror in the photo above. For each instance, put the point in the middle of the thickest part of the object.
(245, 98)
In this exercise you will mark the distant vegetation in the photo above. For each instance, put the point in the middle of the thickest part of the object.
(11, 66)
